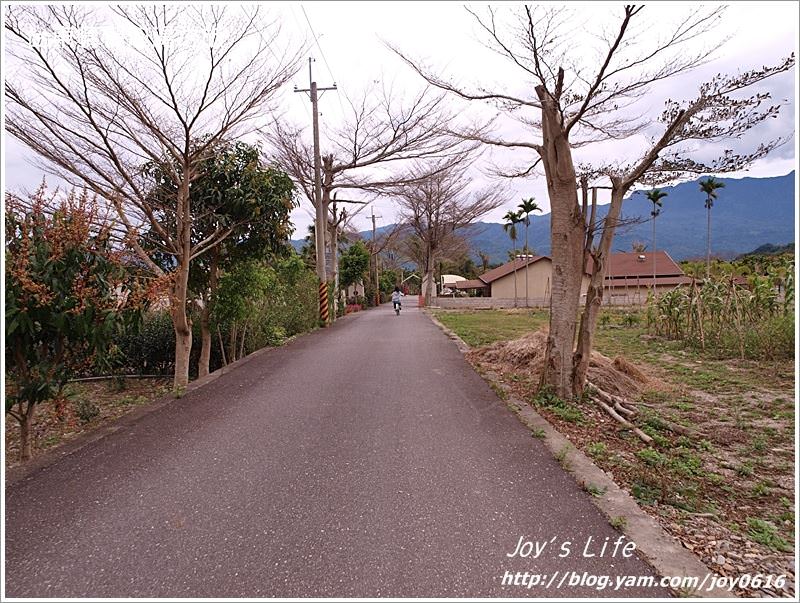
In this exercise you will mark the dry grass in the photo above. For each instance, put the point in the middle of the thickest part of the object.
(617, 376)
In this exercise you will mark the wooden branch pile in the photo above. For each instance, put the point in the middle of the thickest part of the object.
(623, 411)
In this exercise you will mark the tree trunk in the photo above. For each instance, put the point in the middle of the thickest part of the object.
(527, 251)
(205, 338)
(515, 272)
(335, 268)
(180, 289)
(594, 296)
(429, 275)
(205, 316)
(708, 244)
(654, 252)
(232, 343)
(567, 231)
(25, 439)
(183, 329)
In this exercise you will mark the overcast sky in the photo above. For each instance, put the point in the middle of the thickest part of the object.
(348, 43)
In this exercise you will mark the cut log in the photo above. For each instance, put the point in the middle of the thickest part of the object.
(642, 435)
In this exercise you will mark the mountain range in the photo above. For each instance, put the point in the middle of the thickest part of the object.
(748, 213)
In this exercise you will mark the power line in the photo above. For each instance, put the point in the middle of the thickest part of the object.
(322, 54)
(316, 39)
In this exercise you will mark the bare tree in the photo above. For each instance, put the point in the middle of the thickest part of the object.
(382, 131)
(437, 204)
(155, 85)
(579, 102)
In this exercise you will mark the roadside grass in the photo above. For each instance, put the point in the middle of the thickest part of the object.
(735, 469)
(482, 327)
(84, 406)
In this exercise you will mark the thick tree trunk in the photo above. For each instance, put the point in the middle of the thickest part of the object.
(180, 289)
(429, 274)
(594, 295)
(429, 263)
(567, 231)
(183, 329)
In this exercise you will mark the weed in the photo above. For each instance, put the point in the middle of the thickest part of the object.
(51, 440)
(596, 449)
(86, 410)
(561, 457)
(652, 457)
(745, 469)
(705, 445)
(760, 489)
(594, 490)
(538, 432)
(766, 533)
(618, 522)
(545, 398)
(687, 463)
(758, 443)
(646, 492)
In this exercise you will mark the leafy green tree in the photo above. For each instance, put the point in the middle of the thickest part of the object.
(354, 264)
(68, 296)
(513, 218)
(709, 186)
(234, 191)
(527, 207)
(238, 299)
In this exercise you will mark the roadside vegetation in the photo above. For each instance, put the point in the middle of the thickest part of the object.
(718, 470)
(78, 305)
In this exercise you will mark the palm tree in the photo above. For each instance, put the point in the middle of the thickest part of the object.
(655, 196)
(709, 186)
(512, 218)
(484, 260)
(527, 207)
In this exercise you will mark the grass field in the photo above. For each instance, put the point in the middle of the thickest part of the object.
(726, 489)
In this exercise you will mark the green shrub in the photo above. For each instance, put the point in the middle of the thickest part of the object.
(150, 350)
(86, 410)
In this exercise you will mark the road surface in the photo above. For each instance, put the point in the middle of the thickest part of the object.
(365, 460)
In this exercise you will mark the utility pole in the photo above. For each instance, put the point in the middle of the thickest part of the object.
(321, 214)
(375, 248)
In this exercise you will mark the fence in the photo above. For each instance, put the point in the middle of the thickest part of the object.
(495, 303)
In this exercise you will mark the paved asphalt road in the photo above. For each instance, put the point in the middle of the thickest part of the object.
(365, 460)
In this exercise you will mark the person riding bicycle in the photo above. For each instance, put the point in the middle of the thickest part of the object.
(396, 295)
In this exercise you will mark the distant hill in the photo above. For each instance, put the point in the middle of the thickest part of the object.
(749, 213)
(769, 249)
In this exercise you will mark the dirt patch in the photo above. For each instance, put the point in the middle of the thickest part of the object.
(83, 407)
